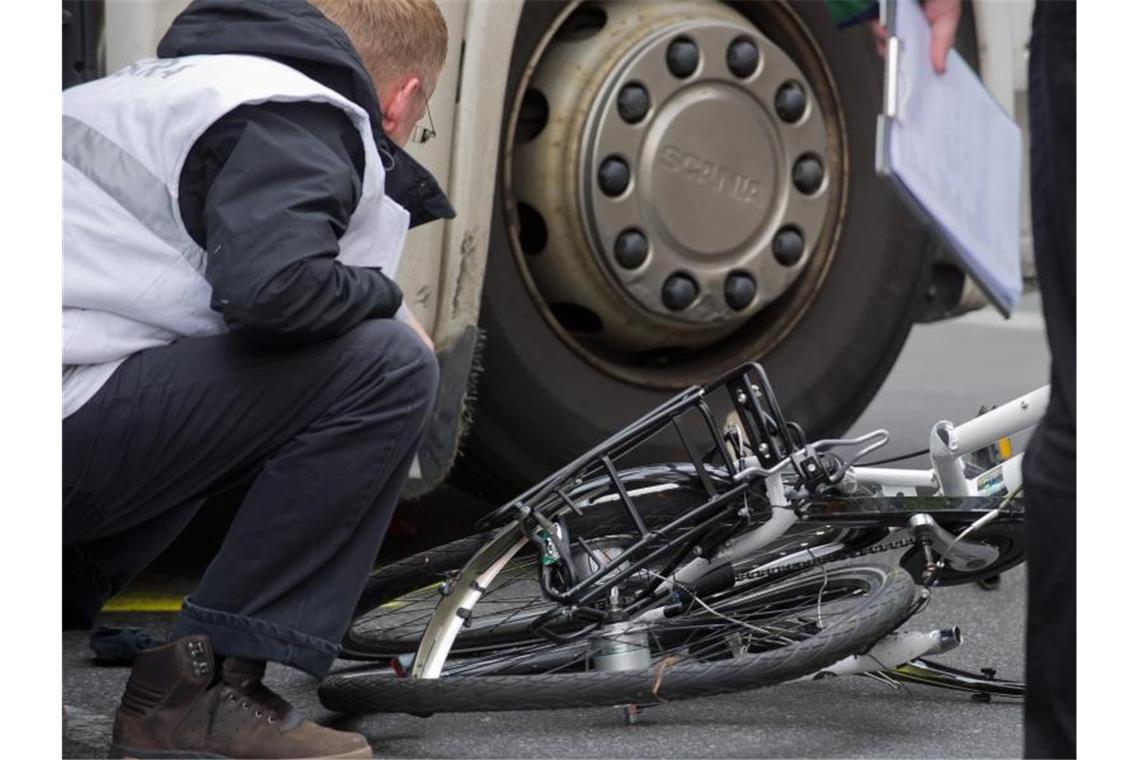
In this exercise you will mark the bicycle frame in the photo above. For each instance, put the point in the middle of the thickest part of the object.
(950, 443)
(776, 452)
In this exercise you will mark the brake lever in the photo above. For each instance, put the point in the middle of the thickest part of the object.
(878, 439)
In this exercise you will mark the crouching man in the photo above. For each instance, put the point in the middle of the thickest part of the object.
(234, 211)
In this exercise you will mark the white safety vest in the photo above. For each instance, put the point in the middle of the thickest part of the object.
(133, 278)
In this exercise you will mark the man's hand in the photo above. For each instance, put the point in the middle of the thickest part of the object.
(943, 16)
(419, 329)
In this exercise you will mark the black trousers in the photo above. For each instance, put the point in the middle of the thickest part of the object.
(326, 433)
(1050, 463)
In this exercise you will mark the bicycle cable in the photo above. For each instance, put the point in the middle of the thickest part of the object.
(981, 522)
(717, 613)
(819, 599)
(899, 458)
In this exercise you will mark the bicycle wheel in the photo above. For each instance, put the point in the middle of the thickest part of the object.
(751, 635)
(400, 598)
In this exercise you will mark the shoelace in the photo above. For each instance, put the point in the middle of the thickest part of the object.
(266, 702)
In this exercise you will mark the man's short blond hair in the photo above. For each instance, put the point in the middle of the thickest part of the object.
(393, 37)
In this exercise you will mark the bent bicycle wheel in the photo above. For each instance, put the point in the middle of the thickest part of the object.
(400, 598)
(750, 635)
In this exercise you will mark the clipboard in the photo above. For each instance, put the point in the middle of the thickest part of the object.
(952, 153)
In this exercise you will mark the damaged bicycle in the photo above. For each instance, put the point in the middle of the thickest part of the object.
(760, 559)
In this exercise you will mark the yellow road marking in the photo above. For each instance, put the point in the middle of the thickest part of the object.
(155, 602)
(139, 602)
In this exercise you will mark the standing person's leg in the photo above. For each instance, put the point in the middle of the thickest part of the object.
(1050, 464)
(328, 431)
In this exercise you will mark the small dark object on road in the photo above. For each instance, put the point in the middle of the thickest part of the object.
(991, 583)
(118, 646)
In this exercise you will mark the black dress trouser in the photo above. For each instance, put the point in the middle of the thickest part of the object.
(325, 432)
(1050, 463)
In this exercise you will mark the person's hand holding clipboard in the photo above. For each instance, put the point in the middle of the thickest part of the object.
(949, 148)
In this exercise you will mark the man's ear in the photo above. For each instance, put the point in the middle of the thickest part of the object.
(399, 102)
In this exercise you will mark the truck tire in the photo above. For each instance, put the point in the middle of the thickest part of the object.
(827, 340)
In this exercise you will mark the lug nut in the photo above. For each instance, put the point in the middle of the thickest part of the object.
(788, 247)
(807, 174)
(739, 290)
(682, 57)
(633, 103)
(791, 102)
(679, 291)
(613, 176)
(743, 57)
(631, 249)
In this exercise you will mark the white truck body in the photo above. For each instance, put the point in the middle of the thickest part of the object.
(441, 273)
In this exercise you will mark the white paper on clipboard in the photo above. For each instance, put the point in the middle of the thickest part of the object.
(953, 153)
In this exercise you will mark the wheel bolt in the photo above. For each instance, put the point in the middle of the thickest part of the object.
(613, 176)
(791, 102)
(631, 249)
(743, 57)
(633, 103)
(788, 247)
(807, 174)
(679, 291)
(739, 290)
(682, 57)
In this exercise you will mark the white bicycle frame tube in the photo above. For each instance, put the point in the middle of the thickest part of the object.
(949, 443)
(894, 649)
(965, 439)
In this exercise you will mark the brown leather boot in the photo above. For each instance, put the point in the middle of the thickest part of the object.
(176, 706)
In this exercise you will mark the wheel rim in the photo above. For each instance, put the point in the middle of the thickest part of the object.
(749, 619)
(604, 165)
(503, 610)
(514, 599)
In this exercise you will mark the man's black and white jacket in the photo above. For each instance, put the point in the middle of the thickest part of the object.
(240, 182)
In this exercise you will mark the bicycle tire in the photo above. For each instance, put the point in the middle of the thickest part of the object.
(889, 600)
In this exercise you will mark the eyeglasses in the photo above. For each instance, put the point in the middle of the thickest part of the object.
(421, 134)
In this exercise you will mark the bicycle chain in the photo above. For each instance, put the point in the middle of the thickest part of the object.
(759, 573)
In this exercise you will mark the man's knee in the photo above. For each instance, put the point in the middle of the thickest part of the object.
(395, 351)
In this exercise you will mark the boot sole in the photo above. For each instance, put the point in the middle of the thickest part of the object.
(128, 753)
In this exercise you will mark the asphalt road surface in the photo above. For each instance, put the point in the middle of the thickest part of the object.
(946, 371)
